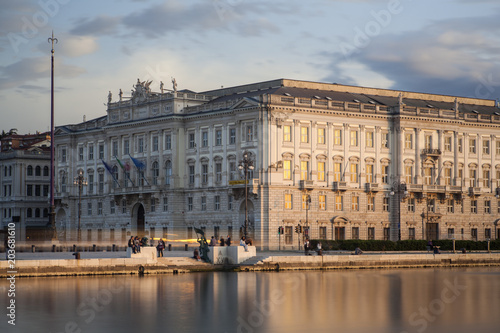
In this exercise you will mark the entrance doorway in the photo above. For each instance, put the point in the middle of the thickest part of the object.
(140, 221)
(432, 231)
(339, 233)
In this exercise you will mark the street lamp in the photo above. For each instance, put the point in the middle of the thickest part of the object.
(80, 181)
(399, 188)
(245, 165)
(308, 201)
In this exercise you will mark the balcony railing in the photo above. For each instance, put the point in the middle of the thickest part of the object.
(371, 187)
(340, 186)
(306, 184)
(431, 152)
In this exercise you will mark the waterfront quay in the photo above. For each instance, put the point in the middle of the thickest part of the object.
(118, 262)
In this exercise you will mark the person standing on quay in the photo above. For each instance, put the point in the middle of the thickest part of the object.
(228, 241)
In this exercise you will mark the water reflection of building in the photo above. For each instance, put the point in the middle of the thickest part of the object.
(374, 163)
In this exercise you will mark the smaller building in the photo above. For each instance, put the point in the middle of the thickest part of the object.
(24, 184)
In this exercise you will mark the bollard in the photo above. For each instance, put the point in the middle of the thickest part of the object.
(93, 248)
(54, 248)
(170, 247)
(185, 247)
(33, 249)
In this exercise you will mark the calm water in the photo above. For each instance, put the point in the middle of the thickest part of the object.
(426, 300)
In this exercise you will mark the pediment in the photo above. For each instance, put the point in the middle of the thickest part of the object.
(245, 102)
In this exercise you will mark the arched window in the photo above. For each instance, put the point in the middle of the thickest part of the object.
(29, 171)
(156, 172)
(45, 171)
(38, 171)
(168, 172)
(29, 213)
(37, 212)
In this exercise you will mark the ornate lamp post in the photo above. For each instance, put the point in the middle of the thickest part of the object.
(245, 165)
(399, 189)
(52, 213)
(80, 181)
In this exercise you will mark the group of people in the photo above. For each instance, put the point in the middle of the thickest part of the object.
(135, 243)
(307, 247)
(222, 242)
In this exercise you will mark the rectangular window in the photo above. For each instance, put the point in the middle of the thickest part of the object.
(337, 137)
(218, 172)
(486, 178)
(385, 204)
(140, 145)
(472, 145)
(152, 205)
(336, 172)
(191, 174)
(355, 233)
(371, 233)
(287, 133)
(460, 145)
(411, 204)
(124, 206)
(204, 173)
(217, 202)
(288, 201)
(409, 174)
(355, 203)
(447, 143)
(168, 141)
(112, 208)
(369, 173)
(322, 232)
(321, 171)
(486, 147)
(204, 139)
(354, 172)
(487, 233)
(229, 202)
(322, 202)
(126, 147)
(115, 148)
(191, 143)
(90, 186)
(338, 202)
(408, 141)
(38, 190)
(232, 136)
(89, 208)
(321, 136)
(450, 203)
(165, 204)
(101, 182)
(369, 139)
(473, 206)
(411, 233)
(155, 143)
(387, 233)
(29, 190)
(304, 170)
(203, 203)
(473, 177)
(473, 234)
(371, 204)
(91, 152)
(385, 174)
(428, 141)
(305, 201)
(447, 176)
(354, 138)
(249, 133)
(218, 137)
(487, 207)
(498, 148)
(451, 233)
(190, 204)
(99, 208)
(385, 140)
(232, 170)
(80, 153)
(101, 151)
(288, 235)
(304, 134)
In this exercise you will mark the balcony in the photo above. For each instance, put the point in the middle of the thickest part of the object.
(371, 187)
(416, 188)
(429, 152)
(474, 191)
(454, 189)
(306, 184)
(435, 188)
(340, 186)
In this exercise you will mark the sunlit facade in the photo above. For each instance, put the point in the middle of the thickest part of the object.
(340, 161)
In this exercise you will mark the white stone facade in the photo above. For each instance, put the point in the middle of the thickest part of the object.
(376, 164)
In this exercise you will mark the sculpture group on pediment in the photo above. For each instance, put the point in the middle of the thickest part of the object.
(142, 90)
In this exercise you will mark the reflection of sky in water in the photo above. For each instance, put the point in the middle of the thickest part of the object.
(344, 301)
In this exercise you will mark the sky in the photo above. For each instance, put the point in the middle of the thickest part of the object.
(447, 47)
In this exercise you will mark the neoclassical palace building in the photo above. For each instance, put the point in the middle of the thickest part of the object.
(341, 162)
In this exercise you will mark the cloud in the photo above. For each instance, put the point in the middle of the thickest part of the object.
(101, 25)
(28, 70)
(458, 56)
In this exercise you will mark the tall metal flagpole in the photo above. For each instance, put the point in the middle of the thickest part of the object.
(52, 145)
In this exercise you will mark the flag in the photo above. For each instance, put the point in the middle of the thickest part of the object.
(120, 163)
(125, 168)
(138, 164)
(106, 165)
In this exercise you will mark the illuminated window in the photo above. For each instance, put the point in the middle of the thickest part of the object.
(304, 134)
(338, 202)
(287, 137)
(287, 174)
(288, 201)
(409, 141)
(355, 203)
(336, 171)
(354, 172)
(304, 170)
(322, 202)
(321, 171)
(337, 138)
(369, 139)
(354, 138)
(369, 173)
(321, 136)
